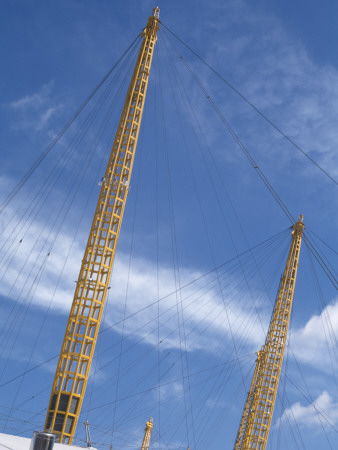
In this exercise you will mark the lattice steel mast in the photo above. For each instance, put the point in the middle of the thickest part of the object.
(147, 434)
(256, 420)
(84, 320)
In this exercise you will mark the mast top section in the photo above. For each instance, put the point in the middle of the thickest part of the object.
(150, 423)
(153, 23)
(298, 227)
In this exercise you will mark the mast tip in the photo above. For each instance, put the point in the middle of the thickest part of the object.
(156, 12)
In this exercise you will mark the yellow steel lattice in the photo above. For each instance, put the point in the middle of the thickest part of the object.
(84, 320)
(147, 434)
(256, 419)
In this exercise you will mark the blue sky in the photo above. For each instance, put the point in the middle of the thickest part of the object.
(179, 337)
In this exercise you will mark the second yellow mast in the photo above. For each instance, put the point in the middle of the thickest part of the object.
(257, 415)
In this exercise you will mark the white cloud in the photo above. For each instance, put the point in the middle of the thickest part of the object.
(206, 314)
(170, 391)
(22, 261)
(216, 403)
(277, 75)
(35, 111)
(35, 100)
(322, 412)
(313, 342)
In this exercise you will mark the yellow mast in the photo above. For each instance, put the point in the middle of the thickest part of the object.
(257, 415)
(147, 434)
(91, 290)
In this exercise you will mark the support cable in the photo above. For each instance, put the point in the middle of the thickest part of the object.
(187, 102)
(173, 246)
(168, 383)
(36, 164)
(325, 243)
(136, 381)
(126, 297)
(307, 396)
(260, 173)
(320, 261)
(162, 299)
(325, 317)
(255, 108)
(68, 153)
(52, 178)
(157, 209)
(65, 209)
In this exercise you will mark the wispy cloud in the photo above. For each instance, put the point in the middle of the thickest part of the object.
(216, 403)
(277, 74)
(323, 412)
(315, 342)
(170, 391)
(207, 313)
(35, 100)
(34, 111)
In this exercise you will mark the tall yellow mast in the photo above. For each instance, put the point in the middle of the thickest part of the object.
(147, 434)
(257, 415)
(86, 312)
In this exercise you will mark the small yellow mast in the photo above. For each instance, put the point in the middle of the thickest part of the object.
(147, 434)
(257, 415)
(91, 289)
